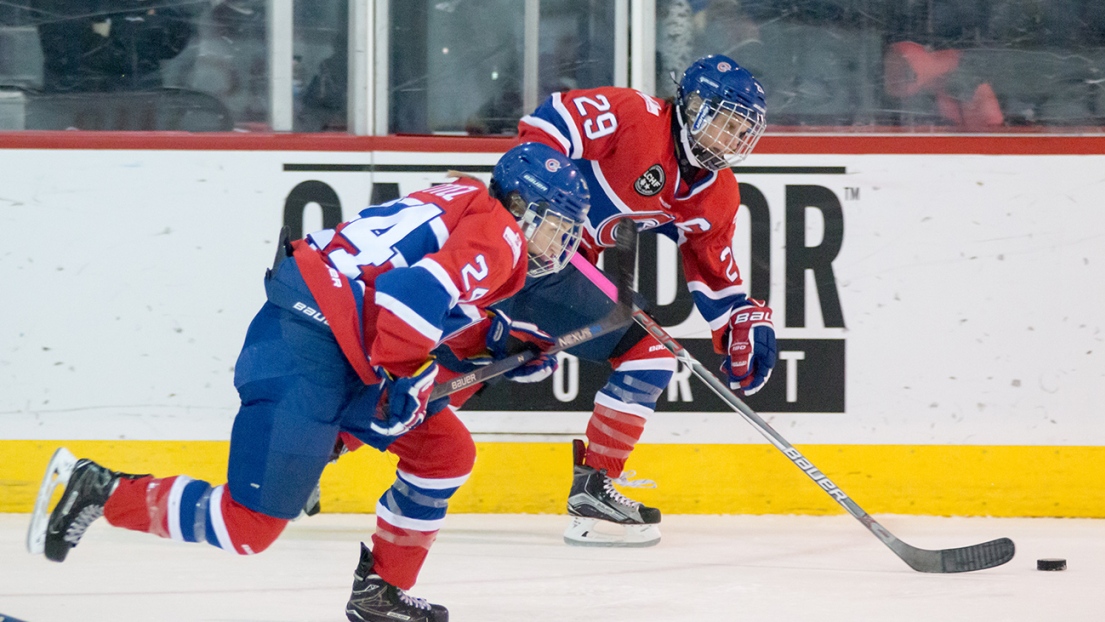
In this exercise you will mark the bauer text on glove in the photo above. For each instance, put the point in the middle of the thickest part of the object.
(751, 349)
(406, 401)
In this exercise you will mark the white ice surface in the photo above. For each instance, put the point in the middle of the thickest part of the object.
(489, 568)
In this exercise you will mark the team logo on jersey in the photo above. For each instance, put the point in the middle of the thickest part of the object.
(552, 165)
(652, 182)
(604, 232)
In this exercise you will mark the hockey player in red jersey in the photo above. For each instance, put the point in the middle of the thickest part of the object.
(342, 347)
(665, 164)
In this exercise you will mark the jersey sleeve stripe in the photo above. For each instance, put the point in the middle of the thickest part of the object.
(573, 131)
(549, 129)
(715, 306)
(472, 311)
(442, 277)
(460, 318)
(409, 316)
(720, 321)
(723, 294)
(441, 232)
(607, 190)
(714, 312)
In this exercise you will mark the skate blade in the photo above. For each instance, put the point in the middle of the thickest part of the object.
(57, 474)
(311, 508)
(593, 532)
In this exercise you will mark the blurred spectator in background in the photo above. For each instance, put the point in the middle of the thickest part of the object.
(911, 70)
(499, 114)
(981, 65)
(110, 45)
(324, 100)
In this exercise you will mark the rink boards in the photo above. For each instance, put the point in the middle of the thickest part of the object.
(938, 302)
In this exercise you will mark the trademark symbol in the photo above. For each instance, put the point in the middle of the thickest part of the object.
(851, 194)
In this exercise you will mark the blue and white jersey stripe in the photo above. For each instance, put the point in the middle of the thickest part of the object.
(716, 306)
(554, 119)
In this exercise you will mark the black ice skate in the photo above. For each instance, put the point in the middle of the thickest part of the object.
(594, 502)
(88, 485)
(376, 600)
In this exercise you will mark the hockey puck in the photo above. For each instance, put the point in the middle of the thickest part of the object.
(1053, 563)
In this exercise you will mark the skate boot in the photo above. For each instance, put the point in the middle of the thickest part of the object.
(602, 516)
(376, 600)
(87, 488)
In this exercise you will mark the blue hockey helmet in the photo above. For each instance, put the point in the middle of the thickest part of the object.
(546, 193)
(721, 112)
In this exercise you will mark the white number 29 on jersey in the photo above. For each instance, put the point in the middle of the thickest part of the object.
(604, 123)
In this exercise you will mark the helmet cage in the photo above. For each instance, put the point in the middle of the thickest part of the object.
(721, 134)
(551, 237)
(548, 197)
(721, 112)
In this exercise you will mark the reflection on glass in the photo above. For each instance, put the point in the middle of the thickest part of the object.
(931, 65)
(454, 61)
(456, 66)
(320, 67)
(197, 65)
(577, 45)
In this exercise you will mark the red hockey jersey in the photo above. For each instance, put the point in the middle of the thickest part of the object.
(623, 143)
(407, 275)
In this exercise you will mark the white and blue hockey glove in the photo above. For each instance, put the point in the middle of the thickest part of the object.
(506, 337)
(405, 401)
(751, 353)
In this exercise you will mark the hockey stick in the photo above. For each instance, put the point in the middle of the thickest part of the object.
(622, 293)
(965, 559)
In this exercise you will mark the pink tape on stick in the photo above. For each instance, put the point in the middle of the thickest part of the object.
(594, 275)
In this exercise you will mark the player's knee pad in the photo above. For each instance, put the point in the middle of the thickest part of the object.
(234, 527)
(191, 510)
(435, 459)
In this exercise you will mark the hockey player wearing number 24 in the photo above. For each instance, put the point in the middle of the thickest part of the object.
(342, 348)
(666, 165)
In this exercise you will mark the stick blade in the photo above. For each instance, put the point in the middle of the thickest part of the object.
(965, 559)
(978, 557)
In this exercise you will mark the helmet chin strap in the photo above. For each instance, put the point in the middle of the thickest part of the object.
(685, 155)
(684, 139)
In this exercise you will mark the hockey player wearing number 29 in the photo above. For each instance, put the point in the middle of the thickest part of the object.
(665, 164)
(341, 349)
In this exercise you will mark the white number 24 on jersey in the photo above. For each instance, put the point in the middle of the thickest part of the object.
(375, 237)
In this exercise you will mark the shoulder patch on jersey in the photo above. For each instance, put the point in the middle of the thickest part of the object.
(515, 242)
(651, 182)
(651, 104)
